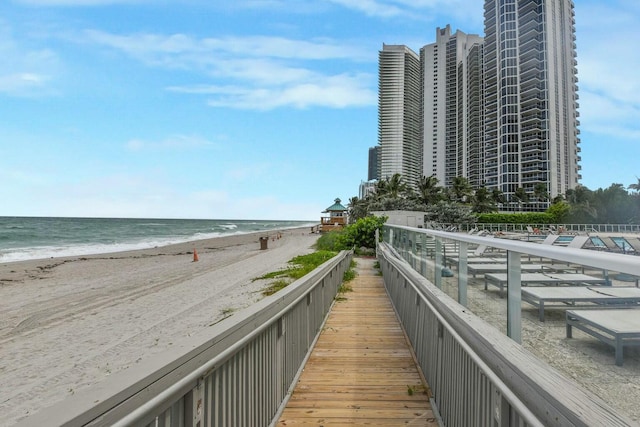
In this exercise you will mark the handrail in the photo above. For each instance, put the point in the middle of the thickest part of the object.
(199, 382)
(459, 354)
(602, 260)
(568, 228)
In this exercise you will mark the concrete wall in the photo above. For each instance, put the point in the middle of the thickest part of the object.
(406, 218)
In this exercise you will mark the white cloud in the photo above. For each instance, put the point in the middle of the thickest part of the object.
(339, 91)
(24, 71)
(421, 10)
(22, 84)
(144, 196)
(607, 68)
(175, 49)
(254, 72)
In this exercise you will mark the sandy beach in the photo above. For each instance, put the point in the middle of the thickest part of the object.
(68, 323)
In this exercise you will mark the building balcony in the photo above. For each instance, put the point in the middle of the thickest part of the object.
(533, 61)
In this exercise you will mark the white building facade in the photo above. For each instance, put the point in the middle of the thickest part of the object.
(452, 110)
(530, 88)
(399, 122)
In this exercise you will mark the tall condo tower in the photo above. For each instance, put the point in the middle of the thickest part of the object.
(452, 109)
(531, 124)
(399, 118)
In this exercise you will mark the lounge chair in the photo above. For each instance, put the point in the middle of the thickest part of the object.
(572, 297)
(624, 244)
(617, 244)
(578, 242)
(595, 243)
(619, 328)
(550, 239)
(555, 279)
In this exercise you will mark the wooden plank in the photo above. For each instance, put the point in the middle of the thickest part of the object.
(362, 370)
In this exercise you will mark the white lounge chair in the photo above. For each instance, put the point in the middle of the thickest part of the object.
(619, 328)
(578, 241)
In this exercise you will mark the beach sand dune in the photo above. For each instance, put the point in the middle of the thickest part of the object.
(68, 323)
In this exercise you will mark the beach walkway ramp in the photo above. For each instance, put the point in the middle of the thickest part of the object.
(362, 369)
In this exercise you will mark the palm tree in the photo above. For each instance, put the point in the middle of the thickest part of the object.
(497, 196)
(396, 186)
(582, 208)
(358, 208)
(461, 189)
(520, 195)
(429, 192)
(635, 187)
(381, 189)
(482, 201)
(540, 192)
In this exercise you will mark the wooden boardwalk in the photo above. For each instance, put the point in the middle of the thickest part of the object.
(362, 370)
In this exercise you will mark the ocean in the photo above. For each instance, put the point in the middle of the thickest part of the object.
(23, 238)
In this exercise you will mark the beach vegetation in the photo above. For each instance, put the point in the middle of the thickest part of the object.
(344, 288)
(297, 267)
(328, 241)
(276, 286)
(359, 235)
(350, 274)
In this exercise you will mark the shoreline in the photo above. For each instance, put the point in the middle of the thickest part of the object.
(69, 322)
(102, 249)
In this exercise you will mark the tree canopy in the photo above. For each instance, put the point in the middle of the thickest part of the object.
(461, 202)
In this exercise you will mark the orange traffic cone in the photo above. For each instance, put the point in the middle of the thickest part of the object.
(195, 255)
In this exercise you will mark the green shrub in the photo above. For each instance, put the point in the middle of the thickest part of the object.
(559, 211)
(517, 218)
(328, 241)
(360, 234)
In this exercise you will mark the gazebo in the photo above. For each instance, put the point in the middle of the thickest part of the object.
(337, 217)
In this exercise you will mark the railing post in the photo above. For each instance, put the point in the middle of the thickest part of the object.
(463, 277)
(514, 297)
(423, 256)
(437, 275)
(194, 406)
(413, 249)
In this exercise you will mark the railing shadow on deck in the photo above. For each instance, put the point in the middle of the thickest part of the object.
(477, 375)
(237, 374)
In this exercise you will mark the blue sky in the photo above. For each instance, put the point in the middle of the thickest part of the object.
(257, 109)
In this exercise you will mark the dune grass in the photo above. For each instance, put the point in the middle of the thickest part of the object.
(297, 268)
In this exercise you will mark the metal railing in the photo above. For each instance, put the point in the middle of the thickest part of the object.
(239, 373)
(479, 376)
(553, 228)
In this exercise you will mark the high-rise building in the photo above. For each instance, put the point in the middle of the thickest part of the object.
(531, 119)
(399, 120)
(452, 107)
(373, 163)
(500, 111)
